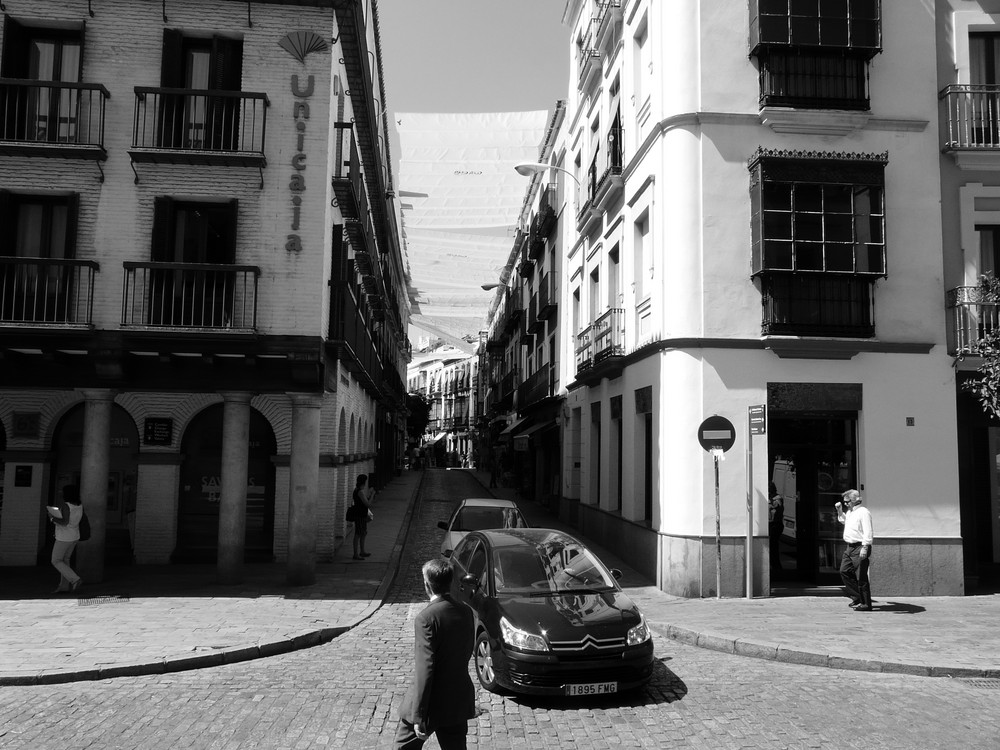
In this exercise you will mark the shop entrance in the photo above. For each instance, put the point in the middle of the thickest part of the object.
(122, 471)
(812, 459)
(201, 487)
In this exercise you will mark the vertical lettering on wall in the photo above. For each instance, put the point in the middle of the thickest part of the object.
(297, 183)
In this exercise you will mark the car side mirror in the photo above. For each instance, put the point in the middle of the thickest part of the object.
(470, 580)
(616, 574)
(443, 525)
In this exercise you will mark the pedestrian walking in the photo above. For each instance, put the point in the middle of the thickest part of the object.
(361, 498)
(859, 534)
(66, 517)
(441, 699)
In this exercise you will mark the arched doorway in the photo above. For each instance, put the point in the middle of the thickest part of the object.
(200, 487)
(67, 444)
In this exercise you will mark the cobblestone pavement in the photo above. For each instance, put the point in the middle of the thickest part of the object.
(345, 694)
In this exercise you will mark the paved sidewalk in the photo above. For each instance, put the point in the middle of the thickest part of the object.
(146, 620)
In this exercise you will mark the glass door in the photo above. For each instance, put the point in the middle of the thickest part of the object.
(812, 460)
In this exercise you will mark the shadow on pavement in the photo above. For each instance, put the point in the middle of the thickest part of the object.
(899, 608)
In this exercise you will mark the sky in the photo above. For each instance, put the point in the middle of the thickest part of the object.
(472, 56)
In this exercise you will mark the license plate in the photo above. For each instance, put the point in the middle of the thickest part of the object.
(593, 688)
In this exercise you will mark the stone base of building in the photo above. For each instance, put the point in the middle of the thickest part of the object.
(686, 566)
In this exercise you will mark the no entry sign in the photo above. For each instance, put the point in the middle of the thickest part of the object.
(716, 433)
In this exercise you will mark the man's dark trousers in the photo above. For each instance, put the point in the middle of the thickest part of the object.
(854, 573)
(449, 738)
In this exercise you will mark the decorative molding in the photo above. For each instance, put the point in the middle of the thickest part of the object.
(830, 122)
(977, 161)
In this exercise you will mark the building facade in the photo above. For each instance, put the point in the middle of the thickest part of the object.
(203, 319)
(751, 217)
(446, 377)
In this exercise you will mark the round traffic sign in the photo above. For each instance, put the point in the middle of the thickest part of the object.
(716, 433)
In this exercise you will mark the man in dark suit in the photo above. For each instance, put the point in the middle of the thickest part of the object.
(442, 699)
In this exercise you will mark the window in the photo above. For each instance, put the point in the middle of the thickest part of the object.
(37, 229)
(595, 294)
(815, 53)
(41, 113)
(186, 234)
(197, 119)
(989, 249)
(640, 256)
(614, 279)
(818, 228)
(640, 63)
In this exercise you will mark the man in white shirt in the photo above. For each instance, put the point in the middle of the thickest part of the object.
(858, 534)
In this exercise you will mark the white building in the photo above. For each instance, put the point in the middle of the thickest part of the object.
(759, 223)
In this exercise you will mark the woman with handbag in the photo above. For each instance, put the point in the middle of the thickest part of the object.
(362, 514)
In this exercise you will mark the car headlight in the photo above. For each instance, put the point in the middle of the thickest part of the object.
(521, 639)
(639, 634)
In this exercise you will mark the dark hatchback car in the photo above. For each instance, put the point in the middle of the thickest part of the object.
(551, 619)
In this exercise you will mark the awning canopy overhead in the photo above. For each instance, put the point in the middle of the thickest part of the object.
(530, 430)
(514, 427)
(459, 203)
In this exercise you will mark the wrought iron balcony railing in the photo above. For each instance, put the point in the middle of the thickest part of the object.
(972, 115)
(199, 126)
(204, 296)
(831, 305)
(584, 350)
(46, 291)
(50, 118)
(974, 319)
(609, 334)
(536, 387)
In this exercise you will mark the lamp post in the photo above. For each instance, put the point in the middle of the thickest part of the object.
(528, 169)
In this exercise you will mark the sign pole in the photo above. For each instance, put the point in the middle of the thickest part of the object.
(718, 529)
(749, 545)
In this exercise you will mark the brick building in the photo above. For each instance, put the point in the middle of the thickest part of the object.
(202, 305)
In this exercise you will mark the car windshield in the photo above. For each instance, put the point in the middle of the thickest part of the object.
(550, 568)
(473, 518)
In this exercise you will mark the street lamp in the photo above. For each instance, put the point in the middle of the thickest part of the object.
(489, 287)
(532, 168)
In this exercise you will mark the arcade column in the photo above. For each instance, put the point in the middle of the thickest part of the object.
(233, 497)
(303, 489)
(94, 466)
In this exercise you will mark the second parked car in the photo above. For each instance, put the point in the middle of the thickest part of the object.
(477, 513)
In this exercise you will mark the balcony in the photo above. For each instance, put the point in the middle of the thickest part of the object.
(535, 324)
(600, 348)
(536, 240)
(52, 119)
(199, 126)
(537, 387)
(609, 16)
(508, 384)
(588, 59)
(47, 292)
(547, 303)
(546, 217)
(829, 305)
(190, 296)
(972, 130)
(973, 319)
(605, 178)
(348, 181)
(526, 265)
(513, 315)
(584, 352)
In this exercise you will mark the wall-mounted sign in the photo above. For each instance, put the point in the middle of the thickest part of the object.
(158, 431)
(297, 183)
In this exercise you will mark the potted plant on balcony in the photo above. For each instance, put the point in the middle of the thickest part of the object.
(986, 385)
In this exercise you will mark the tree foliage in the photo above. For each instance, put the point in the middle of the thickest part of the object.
(986, 385)
(419, 413)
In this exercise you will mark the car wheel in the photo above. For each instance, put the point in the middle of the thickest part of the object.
(485, 669)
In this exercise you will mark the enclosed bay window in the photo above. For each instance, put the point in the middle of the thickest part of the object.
(818, 233)
(815, 53)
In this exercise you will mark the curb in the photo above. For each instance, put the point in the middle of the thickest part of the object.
(306, 639)
(790, 655)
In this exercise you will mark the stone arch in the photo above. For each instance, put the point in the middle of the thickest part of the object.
(352, 439)
(342, 432)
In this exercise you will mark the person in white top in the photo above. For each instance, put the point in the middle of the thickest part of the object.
(858, 533)
(67, 535)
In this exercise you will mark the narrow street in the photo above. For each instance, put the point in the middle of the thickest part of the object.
(345, 694)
